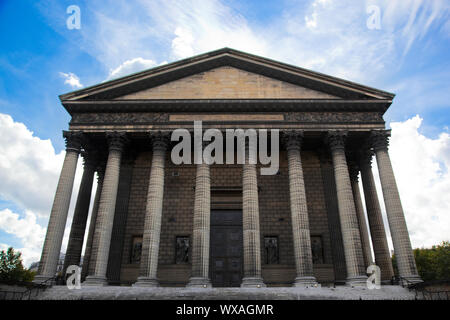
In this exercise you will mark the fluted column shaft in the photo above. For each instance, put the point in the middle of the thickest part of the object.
(153, 215)
(364, 231)
(80, 215)
(105, 217)
(377, 230)
(201, 230)
(299, 212)
(60, 209)
(250, 215)
(92, 223)
(397, 224)
(356, 273)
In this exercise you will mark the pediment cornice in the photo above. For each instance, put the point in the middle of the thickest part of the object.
(224, 105)
(344, 89)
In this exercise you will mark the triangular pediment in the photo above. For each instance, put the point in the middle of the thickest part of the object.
(228, 83)
(226, 74)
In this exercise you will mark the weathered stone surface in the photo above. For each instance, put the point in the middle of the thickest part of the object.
(227, 83)
(356, 273)
(364, 231)
(105, 216)
(201, 230)
(133, 293)
(397, 224)
(251, 229)
(78, 228)
(118, 117)
(377, 229)
(152, 226)
(334, 116)
(299, 211)
(60, 209)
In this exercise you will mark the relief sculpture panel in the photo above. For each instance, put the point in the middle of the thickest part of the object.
(119, 117)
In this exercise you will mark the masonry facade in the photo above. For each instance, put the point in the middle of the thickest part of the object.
(156, 223)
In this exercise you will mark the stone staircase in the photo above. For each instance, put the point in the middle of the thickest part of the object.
(164, 293)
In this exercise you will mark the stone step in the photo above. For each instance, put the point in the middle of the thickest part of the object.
(140, 293)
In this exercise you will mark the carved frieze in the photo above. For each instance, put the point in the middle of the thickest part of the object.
(119, 117)
(155, 117)
(334, 116)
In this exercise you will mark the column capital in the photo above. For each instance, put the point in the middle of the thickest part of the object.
(335, 139)
(365, 156)
(116, 140)
(379, 139)
(353, 170)
(100, 172)
(90, 158)
(73, 140)
(292, 139)
(160, 140)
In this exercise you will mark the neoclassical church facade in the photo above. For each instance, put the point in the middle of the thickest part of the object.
(157, 223)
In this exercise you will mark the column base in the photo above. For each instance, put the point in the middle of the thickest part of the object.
(42, 279)
(358, 281)
(199, 282)
(95, 281)
(252, 282)
(146, 282)
(409, 280)
(306, 282)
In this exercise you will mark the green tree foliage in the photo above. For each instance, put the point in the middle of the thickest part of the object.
(433, 263)
(11, 267)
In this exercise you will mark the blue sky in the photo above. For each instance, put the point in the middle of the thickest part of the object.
(40, 58)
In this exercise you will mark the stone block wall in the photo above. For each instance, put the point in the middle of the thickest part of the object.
(178, 207)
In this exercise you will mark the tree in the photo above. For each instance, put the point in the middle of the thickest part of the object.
(432, 263)
(11, 267)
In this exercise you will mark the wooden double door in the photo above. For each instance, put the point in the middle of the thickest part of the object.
(226, 248)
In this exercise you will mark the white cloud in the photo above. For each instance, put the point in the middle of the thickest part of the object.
(71, 79)
(311, 22)
(421, 167)
(29, 172)
(131, 66)
(27, 230)
(412, 19)
(29, 167)
(182, 44)
(323, 35)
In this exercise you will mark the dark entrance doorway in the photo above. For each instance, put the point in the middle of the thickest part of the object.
(226, 248)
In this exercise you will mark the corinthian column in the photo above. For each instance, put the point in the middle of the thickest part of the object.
(402, 246)
(76, 237)
(106, 208)
(250, 215)
(94, 212)
(60, 209)
(201, 230)
(356, 273)
(377, 230)
(299, 212)
(153, 213)
(364, 231)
